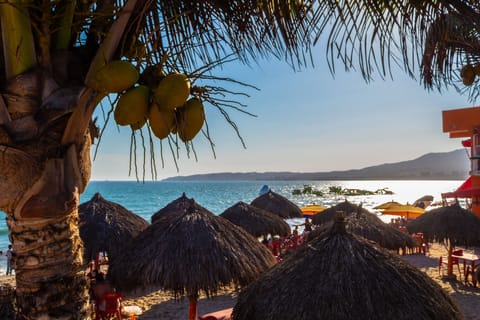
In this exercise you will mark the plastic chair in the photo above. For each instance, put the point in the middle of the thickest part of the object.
(443, 261)
(109, 304)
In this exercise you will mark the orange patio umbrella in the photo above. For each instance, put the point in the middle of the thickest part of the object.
(387, 205)
(311, 210)
(404, 210)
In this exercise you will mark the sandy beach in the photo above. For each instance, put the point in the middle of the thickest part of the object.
(161, 305)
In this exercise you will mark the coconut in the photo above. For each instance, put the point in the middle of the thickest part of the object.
(468, 74)
(190, 119)
(115, 76)
(172, 91)
(152, 75)
(132, 107)
(138, 125)
(161, 121)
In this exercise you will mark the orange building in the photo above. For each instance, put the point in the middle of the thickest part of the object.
(465, 123)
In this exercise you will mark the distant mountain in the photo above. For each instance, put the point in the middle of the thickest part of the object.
(453, 165)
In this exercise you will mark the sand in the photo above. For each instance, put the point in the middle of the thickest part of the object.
(161, 305)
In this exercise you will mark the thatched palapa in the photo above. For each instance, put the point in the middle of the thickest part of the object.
(191, 251)
(329, 214)
(452, 224)
(107, 226)
(177, 205)
(369, 226)
(342, 276)
(256, 221)
(278, 205)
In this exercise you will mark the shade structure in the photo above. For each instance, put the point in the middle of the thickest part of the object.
(311, 210)
(256, 221)
(341, 276)
(367, 225)
(451, 224)
(277, 204)
(424, 201)
(190, 251)
(329, 214)
(179, 204)
(466, 190)
(404, 210)
(387, 205)
(107, 226)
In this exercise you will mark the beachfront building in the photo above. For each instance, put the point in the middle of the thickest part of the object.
(465, 123)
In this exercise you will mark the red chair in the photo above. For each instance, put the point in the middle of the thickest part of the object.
(443, 261)
(109, 304)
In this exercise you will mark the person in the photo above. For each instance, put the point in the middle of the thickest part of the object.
(10, 256)
(308, 225)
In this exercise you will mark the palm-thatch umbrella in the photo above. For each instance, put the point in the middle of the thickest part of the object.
(107, 226)
(451, 224)
(277, 204)
(342, 276)
(369, 226)
(182, 203)
(256, 221)
(329, 214)
(189, 251)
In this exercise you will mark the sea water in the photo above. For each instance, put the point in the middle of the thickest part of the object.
(146, 198)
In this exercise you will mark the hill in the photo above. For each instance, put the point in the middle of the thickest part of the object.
(453, 165)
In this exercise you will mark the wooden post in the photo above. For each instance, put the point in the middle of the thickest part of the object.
(449, 259)
(192, 310)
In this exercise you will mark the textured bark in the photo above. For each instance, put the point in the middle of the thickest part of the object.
(41, 184)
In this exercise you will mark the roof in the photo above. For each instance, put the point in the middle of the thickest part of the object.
(466, 190)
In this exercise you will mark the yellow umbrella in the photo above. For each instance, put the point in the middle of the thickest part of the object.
(387, 205)
(404, 210)
(311, 210)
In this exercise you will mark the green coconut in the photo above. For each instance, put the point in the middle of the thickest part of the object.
(132, 107)
(161, 121)
(172, 91)
(190, 119)
(115, 76)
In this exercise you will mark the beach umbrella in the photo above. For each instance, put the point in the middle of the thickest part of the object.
(404, 210)
(329, 214)
(452, 224)
(189, 251)
(387, 205)
(182, 203)
(256, 221)
(107, 226)
(278, 205)
(312, 209)
(342, 276)
(369, 226)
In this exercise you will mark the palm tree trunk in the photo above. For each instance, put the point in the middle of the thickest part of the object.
(49, 267)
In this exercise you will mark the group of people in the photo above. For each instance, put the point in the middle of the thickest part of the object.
(279, 245)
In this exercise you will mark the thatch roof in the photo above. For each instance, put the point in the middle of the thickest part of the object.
(278, 205)
(371, 227)
(329, 214)
(256, 221)
(189, 251)
(180, 204)
(342, 276)
(107, 226)
(453, 223)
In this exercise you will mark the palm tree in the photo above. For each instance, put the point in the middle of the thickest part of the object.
(55, 54)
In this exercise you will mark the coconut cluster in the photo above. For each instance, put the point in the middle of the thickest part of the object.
(469, 72)
(161, 99)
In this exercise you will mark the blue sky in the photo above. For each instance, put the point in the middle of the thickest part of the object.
(307, 121)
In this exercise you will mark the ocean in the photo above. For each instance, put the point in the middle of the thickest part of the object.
(146, 198)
